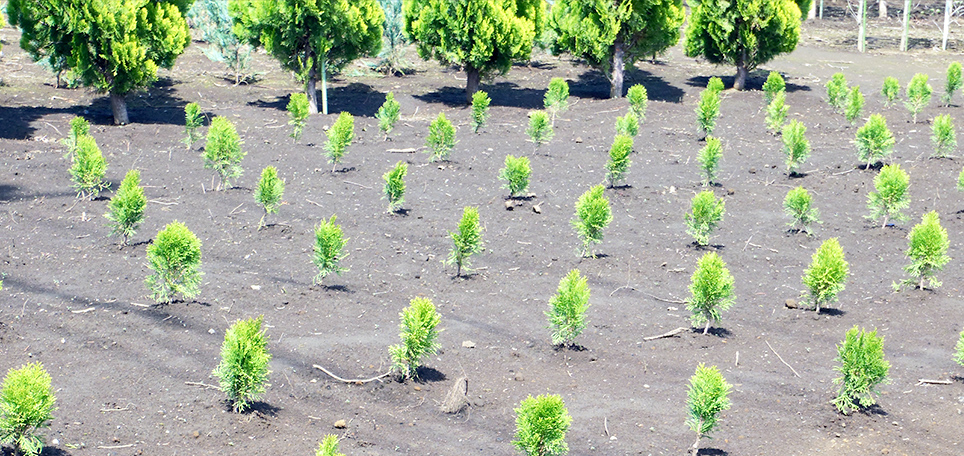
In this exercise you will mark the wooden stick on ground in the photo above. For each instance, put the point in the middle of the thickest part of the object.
(669, 334)
(664, 300)
(365, 380)
(205, 385)
(925, 381)
(781, 359)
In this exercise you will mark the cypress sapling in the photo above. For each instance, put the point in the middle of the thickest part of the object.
(222, 152)
(269, 192)
(567, 309)
(79, 126)
(516, 175)
(943, 137)
(777, 112)
(862, 367)
(638, 99)
(419, 337)
(480, 110)
(627, 125)
(541, 424)
(192, 123)
(827, 274)
(959, 350)
(709, 158)
(855, 105)
(388, 114)
(26, 405)
(557, 98)
(88, 169)
(796, 146)
(243, 370)
(798, 205)
(891, 195)
(340, 136)
(329, 246)
(706, 398)
(874, 140)
(297, 113)
(927, 251)
(715, 84)
(708, 110)
(175, 258)
(467, 241)
(618, 165)
(395, 186)
(774, 85)
(837, 92)
(593, 214)
(918, 94)
(126, 208)
(890, 91)
(540, 128)
(952, 83)
(329, 447)
(960, 181)
(705, 215)
(711, 291)
(441, 138)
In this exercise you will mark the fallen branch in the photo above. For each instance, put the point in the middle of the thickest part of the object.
(410, 150)
(669, 334)
(664, 300)
(844, 172)
(620, 288)
(925, 381)
(781, 359)
(312, 202)
(365, 380)
(205, 385)
(115, 447)
(360, 185)
(89, 309)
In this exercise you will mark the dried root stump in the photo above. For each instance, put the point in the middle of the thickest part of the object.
(457, 398)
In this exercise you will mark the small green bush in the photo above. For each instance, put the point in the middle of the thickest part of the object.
(706, 398)
(918, 94)
(874, 140)
(891, 196)
(952, 83)
(618, 165)
(441, 138)
(480, 110)
(193, 119)
(395, 186)
(862, 368)
(798, 205)
(855, 105)
(705, 215)
(269, 192)
(79, 127)
(638, 99)
(26, 405)
(837, 91)
(329, 447)
(540, 128)
(388, 114)
(467, 241)
(593, 215)
(890, 91)
(711, 290)
(297, 113)
(516, 175)
(796, 146)
(329, 249)
(126, 208)
(777, 112)
(419, 337)
(943, 137)
(243, 370)
(715, 84)
(541, 424)
(960, 181)
(959, 350)
(774, 85)
(556, 98)
(567, 309)
(927, 251)
(222, 152)
(827, 274)
(708, 110)
(340, 136)
(709, 158)
(627, 125)
(89, 168)
(175, 258)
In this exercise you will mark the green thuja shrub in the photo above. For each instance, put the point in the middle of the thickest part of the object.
(711, 291)
(827, 274)
(705, 215)
(175, 258)
(952, 83)
(222, 152)
(269, 192)
(618, 165)
(26, 405)
(541, 424)
(777, 112)
(855, 105)
(862, 367)
(943, 136)
(540, 128)
(557, 98)
(480, 110)
(193, 119)
(837, 92)
(441, 138)
(395, 186)
(706, 398)
(419, 337)
(891, 196)
(243, 370)
(638, 99)
(88, 169)
(627, 125)
(708, 110)
(927, 251)
(567, 309)
(709, 158)
(715, 84)
(388, 114)
(466, 241)
(874, 140)
(79, 127)
(593, 215)
(774, 85)
(329, 249)
(340, 136)
(890, 91)
(126, 208)
(798, 205)
(516, 175)
(329, 447)
(297, 113)
(918, 94)
(959, 350)
(796, 146)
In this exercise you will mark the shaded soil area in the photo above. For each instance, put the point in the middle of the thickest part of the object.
(127, 372)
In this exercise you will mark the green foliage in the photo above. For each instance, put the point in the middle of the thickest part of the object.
(855, 105)
(708, 110)
(516, 175)
(567, 309)
(715, 84)
(959, 350)
(175, 258)
(222, 152)
(952, 83)
(395, 186)
(329, 446)
(927, 251)
(243, 370)
(467, 241)
(441, 138)
(862, 368)
(711, 290)
(706, 398)
(709, 158)
(126, 208)
(541, 424)
(540, 128)
(918, 94)
(26, 405)
(774, 85)
(798, 205)
(593, 214)
(297, 113)
(777, 112)
(110, 46)
(89, 168)
(943, 137)
(705, 215)
(212, 19)
(827, 274)
(193, 119)
(890, 91)
(269, 192)
(837, 92)
(874, 140)
(618, 165)
(78, 127)
(628, 125)
(340, 135)
(960, 181)
(329, 249)
(388, 114)
(393, 39)
(796, 146)
(480, 110)
(419, 337)
(638, 99)
(557, 97)
(891, 195)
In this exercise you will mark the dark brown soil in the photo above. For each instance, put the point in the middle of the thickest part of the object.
(75, 301)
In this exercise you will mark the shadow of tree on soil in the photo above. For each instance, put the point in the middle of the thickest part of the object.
(592, 84)
(754, 81)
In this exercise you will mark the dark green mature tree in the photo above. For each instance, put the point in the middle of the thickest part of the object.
(745, 33)
(113, 46)
(311, 37)
(613, 34)
(483, 36)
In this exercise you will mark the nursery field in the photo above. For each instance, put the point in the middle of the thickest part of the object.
(130, 376)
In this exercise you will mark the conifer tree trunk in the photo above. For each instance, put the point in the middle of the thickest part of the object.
(118, 106)
(862, 32)
(739, 83)
(903, 35)
(471, 82)
(312, 93)
(619, 69)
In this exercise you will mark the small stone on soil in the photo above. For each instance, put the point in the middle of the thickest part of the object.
(468, 344)
(340, 424)
(791, 303)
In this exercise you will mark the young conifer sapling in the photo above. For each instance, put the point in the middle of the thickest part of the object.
(855, 105)
(618, 165)
(466, 241)
(243, 370)
(567, 309)
(837, 92)
(796, 146)
(706, 213)
(388, 114)
(516, 175)
(441, 138)
(959, 350)
(126, 208)
(175, 258)
(862, 367)
(541, 424)
(269, 192)
(927, 251)
(556, 99)
(193, 119)
(480, 110)
(329, 249)
(419, 337)
(711, 291)
(777, 112)
(89, 168)
(706, 399)
(329, 446)
(593, 215)
(709, 159)
(707, 110)
(222, 152)
(340, 136)
(890, 91)
(395, 186)
(874, 140)
(798, 205)
(540, 128)
(952, 83)
(774, 85)
(297, 113)
(918, 94)
(827, 274)
(891, 196)
(26, 405)
(79, 126)
(627, 125)
(943, 136)
(638, 99)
